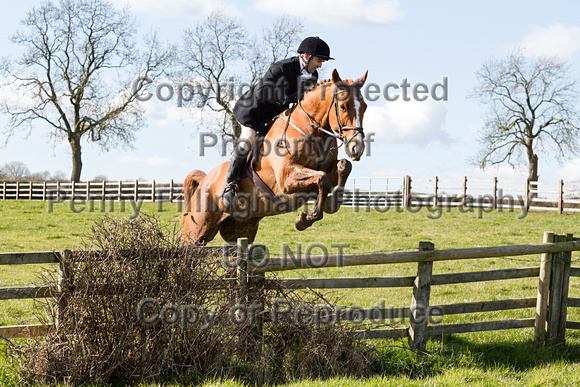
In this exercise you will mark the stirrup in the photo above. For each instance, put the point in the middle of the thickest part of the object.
(232, 186)
(229, 196)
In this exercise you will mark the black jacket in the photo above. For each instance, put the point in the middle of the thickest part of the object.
(273, 94)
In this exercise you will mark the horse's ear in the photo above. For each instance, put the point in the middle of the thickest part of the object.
(361, 81)
(335, 76)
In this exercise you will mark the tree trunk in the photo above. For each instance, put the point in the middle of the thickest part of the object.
(533, 173)
(75, 145)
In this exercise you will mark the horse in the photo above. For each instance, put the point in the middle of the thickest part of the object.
(295, 162)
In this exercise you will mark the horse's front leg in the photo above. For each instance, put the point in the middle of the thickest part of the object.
(338, 172)
(300, 179)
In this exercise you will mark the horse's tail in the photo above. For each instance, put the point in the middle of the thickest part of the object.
(189, 186)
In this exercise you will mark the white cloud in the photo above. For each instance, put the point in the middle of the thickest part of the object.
(570, 171)
(554, 40)
(347, 13)
(181, 8)
(153, 161)
(408, 122)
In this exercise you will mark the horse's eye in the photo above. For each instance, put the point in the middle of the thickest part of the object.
(343, 108)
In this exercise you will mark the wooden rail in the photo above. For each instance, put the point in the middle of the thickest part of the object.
(551, 303)
(291, 263)
(549, 323)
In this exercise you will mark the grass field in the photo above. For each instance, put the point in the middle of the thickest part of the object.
(486, 358)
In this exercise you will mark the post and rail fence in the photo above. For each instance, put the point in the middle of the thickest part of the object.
(136, 190)
(376, 192)
(551, 302)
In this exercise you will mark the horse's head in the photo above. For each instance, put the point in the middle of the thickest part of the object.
(346, 116)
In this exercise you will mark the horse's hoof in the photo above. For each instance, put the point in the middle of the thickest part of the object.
(342, 164)
(301, 223)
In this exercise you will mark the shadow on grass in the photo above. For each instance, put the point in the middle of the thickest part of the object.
(519, 356)
(464, 352)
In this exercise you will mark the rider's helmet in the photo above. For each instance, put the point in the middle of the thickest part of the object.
(313, 45)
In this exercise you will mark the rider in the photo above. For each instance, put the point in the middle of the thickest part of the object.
(284, 83)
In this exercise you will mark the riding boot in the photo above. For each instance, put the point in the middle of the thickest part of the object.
(237, 163)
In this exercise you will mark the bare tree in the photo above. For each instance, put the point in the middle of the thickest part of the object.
(208, 54)
(15, 170)
(214, 51)
(278, 41)
(80, 74)
(531, 109)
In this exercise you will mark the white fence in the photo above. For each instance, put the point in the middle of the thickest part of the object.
(92, 190)
(359, 192)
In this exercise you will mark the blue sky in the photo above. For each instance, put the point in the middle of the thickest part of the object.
(421, 41)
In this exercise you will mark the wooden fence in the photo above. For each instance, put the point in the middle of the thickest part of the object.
(378, 192)
(151, 191)
(495, 194)
(551, 303)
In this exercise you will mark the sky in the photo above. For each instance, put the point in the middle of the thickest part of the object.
(420, 41)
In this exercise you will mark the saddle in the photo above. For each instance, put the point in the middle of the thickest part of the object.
(250, 170)
(250, 173)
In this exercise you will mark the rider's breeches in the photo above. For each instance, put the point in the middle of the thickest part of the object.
(246, 139)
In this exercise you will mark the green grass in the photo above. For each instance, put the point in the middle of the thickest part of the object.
(484, 358)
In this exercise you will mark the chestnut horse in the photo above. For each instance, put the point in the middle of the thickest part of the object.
(297, 161)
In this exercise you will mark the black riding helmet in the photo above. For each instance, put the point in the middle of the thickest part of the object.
(313, 45)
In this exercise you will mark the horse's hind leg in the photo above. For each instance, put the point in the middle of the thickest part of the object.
(338, 173)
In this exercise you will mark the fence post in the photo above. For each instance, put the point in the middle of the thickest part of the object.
(57, 190)
(3, 190)
(419, 317)
(435, 187)
(558, 299)
(561, 197)
(495, 193)
(242, 273)
(464, 191)
(171, 191)
(251, 332)
(73, 190)
(242, 290)
(566, 261)
(543, 293)
(153, 191)
(104, 191)
(63, 278)
(255, 310)
(17, 190)
(406, 191)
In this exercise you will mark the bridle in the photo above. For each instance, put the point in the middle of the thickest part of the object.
(341, 128)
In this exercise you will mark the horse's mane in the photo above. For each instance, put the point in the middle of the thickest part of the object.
(323, 82)
(316, 86)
